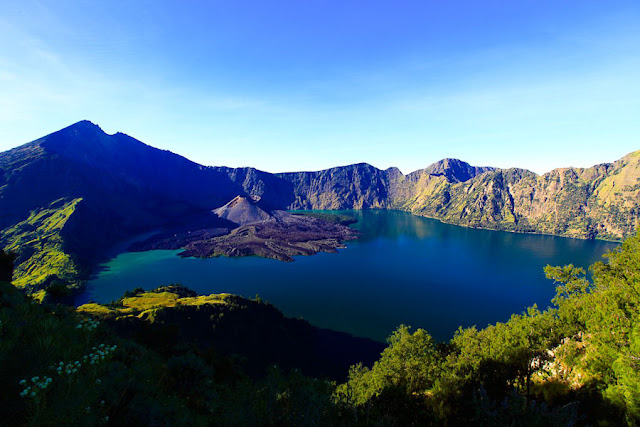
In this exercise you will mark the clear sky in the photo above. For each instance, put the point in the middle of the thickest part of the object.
(309, 84)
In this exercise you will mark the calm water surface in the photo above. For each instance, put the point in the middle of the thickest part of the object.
(404, 269)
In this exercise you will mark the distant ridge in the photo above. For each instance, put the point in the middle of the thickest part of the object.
(69, 196)
(456, 170)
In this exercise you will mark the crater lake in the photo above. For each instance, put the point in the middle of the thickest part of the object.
(404, 269)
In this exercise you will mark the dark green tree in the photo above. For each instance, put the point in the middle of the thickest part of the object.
(6, 265)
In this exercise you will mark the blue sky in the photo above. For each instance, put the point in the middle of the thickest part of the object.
(306, 85)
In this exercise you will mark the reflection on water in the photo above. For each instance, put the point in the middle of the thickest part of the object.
(403, 269)
(397, 225)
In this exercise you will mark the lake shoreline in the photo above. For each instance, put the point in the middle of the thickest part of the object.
(404, 268)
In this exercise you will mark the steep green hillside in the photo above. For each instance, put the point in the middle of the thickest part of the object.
(38, 241)
(167, 357)
(126, 187)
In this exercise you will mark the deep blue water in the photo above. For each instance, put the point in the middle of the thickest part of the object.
(404, 269)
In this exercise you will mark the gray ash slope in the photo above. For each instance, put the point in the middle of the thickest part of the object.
(242, 211)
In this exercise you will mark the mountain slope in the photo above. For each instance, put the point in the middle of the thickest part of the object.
(270, 190)
(110, 187)
(126, 187)
(597, 202)
(174, 315)
(454, 170)
(359, 186)
(39, 243)
(241, 211)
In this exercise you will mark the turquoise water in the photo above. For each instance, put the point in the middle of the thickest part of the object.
(404, 269)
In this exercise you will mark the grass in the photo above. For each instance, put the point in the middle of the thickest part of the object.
(35, 340)
(148, 302)
(40, 246)
(620, 184)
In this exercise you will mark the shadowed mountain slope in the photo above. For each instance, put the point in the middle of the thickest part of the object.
(172, 316)
(67, 197)
(118, 186)
(359, 186)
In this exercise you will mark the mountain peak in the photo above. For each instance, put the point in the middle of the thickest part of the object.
(79, 132)
(456, 170)
(242, 210)
(85, 125)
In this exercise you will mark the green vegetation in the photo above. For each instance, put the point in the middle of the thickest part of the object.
(61, 367)
(577, 361)
(143, 360)
(597, 202)
(7, 260)
(69, 197)
(42, 258)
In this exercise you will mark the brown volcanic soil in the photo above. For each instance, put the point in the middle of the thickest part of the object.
(281, 237)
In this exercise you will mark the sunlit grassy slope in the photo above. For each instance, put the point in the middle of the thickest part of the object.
(39, 244)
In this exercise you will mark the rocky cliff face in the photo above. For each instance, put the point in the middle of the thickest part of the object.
(126, 187)
(597, 202)
(429, 187)
(359, 186)
(454, 170)
(270, 190)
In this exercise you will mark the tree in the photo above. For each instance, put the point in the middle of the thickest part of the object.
(6, 265)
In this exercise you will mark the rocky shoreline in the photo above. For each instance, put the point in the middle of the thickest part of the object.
(281, 238)
(278, 235)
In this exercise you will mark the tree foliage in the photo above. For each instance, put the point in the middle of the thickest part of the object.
(575, 362)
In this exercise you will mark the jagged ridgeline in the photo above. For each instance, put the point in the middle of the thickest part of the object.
(69, 196)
